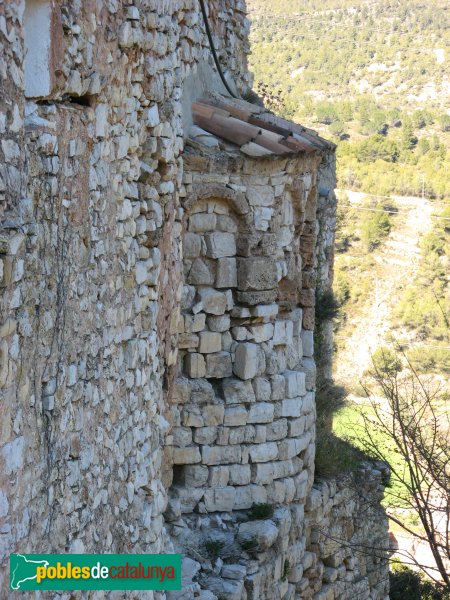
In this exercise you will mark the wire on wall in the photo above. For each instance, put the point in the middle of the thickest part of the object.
(213, 49)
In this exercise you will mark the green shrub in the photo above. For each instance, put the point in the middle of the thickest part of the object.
(334, 455)
(327, 306)
(406, 584)
(375, 227)
(249, 545)
(260, 511)
(213, 548)
(386, 362)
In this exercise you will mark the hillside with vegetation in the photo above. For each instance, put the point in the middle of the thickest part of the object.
(374, 76)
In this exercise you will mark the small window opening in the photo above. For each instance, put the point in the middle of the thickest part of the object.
(86, 100)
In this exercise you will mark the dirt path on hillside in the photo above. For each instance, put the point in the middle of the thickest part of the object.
(397, 262)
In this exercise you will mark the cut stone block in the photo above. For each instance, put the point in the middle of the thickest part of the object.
(182, 436)
(218, 476)
(262, 388)
(291, 407)
(262, 473)
(261, 412)
(221, 455)
(278, 384)
(192, 244)
(260, 195)
(201, 273)
(265, 310)
(308, 403)
(213, 302)
(210, 342)
(201, 222)
(235, 416)
(277, 430)
(213, 414)
(240, 474)
(308, 342)
(220, 244)
(257, 273)
(309, 369)
(195, 475)
(194, 323)
(226, 276)
(236, 391)
(283, 333)
(219, 365)
(194, 365)
(220, 323)
(292, 447)
(262, 333)
(263, 452)
(246, 361)
(297, 426)
(205, 435)
(186, 456)
(220, 499)
(187, 340)
(295, 384)
(253, 298)
(247, 495)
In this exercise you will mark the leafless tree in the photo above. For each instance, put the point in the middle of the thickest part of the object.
(414, 420)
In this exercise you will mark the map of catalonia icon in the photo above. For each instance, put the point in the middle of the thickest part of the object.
(23, 569)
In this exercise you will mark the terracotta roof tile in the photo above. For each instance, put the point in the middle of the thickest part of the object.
(255, 130)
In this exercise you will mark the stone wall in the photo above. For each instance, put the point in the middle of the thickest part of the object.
(243, 414)
(90, 176)
(347, 541)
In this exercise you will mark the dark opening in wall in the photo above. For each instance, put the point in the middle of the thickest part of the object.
(86, 100)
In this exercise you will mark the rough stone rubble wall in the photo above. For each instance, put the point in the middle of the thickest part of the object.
(89, 183)
(346, 533)
(100, 377)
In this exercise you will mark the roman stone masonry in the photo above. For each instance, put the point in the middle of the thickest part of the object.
(160, 248)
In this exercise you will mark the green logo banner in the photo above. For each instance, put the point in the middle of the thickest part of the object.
(95, 571)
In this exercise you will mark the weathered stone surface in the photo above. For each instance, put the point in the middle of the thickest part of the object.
(201, 273)
(235, 416)
(263, 452)
(261, 412)
(194, 365)
(226, 276)
(202, 222)
(192, 244)
(218, 365)
(295, 384)
(256, 274)
(221, 455)
(220, 245)
(210, 342)
(213, 302)
(220, 499)
(240, 475)
(236, 391)
(186, 456)
(246, 361)
(308, 343)
(262, 533)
